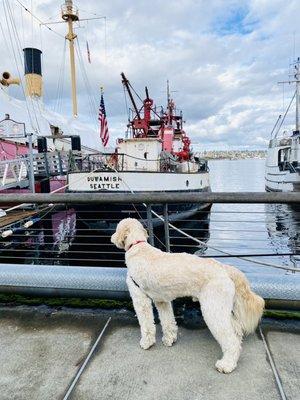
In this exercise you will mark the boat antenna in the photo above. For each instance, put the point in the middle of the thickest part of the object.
(169, 92)
(296, 76)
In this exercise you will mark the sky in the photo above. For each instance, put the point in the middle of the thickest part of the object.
(223, 59)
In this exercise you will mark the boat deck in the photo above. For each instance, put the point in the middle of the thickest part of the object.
(16, 216)
(42, 350)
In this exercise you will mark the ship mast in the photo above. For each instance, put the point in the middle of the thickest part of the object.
(297, 76)
(69, 13)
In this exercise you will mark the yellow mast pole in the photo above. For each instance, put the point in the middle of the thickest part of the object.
(70, 14)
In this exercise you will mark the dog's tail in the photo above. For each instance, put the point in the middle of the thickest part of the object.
(248, 306)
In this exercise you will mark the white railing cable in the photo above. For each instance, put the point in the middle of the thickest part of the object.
(215, 248)
(225, 252)
(180, 231)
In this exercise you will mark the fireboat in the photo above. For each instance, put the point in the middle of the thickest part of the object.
(155, 155)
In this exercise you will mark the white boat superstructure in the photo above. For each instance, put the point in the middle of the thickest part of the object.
(282, 172)
(283, 164)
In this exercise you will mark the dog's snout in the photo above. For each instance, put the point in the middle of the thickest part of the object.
(113, 238)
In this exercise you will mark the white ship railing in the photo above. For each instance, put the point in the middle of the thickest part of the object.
(119, 162)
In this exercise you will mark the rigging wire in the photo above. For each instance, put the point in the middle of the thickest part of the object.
(19, 52)
(91, 98)
(135, 92)
(105, 40)
(38, 19)
(285, 114)
(90, 101)
(31, 5)
(4, 36)
(60, 81)
(15, 59)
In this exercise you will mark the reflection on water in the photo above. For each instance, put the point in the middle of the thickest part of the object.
(62, 237)
(250, 228)
(93, 246)
(283, 227)
(44, 242)
(196, 226)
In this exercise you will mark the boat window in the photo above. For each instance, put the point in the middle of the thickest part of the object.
(283, 157)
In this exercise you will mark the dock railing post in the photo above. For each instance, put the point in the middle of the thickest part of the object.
(150, 225)
(166, 227)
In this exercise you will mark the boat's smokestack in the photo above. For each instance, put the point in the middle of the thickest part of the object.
(33, 71)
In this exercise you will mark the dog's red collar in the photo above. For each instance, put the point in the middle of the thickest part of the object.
(137, 242)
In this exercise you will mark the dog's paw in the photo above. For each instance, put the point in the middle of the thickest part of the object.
(169, 338)
(147, 342)
(225, 366)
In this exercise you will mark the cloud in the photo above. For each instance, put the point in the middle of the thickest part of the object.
(223, 60)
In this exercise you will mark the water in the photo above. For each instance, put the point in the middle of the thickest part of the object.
(251, 228)
(64, 238)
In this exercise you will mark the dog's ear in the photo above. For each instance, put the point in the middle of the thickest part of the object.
(119, 237)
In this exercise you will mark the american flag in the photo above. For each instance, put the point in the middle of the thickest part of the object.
(104, 135)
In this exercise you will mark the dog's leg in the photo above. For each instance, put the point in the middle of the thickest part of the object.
(144, 312)
(216, 301)
(168, 323)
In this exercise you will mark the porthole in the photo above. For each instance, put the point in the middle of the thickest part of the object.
(187, 183)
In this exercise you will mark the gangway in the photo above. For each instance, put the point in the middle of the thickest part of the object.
(15, 173)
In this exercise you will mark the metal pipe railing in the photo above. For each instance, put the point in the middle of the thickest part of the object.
(282, 291)
(155, 198)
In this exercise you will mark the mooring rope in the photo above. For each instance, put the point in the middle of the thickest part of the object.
(222, 251)
(212, 247)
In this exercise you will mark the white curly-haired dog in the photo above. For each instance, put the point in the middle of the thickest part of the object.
(229, 307)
